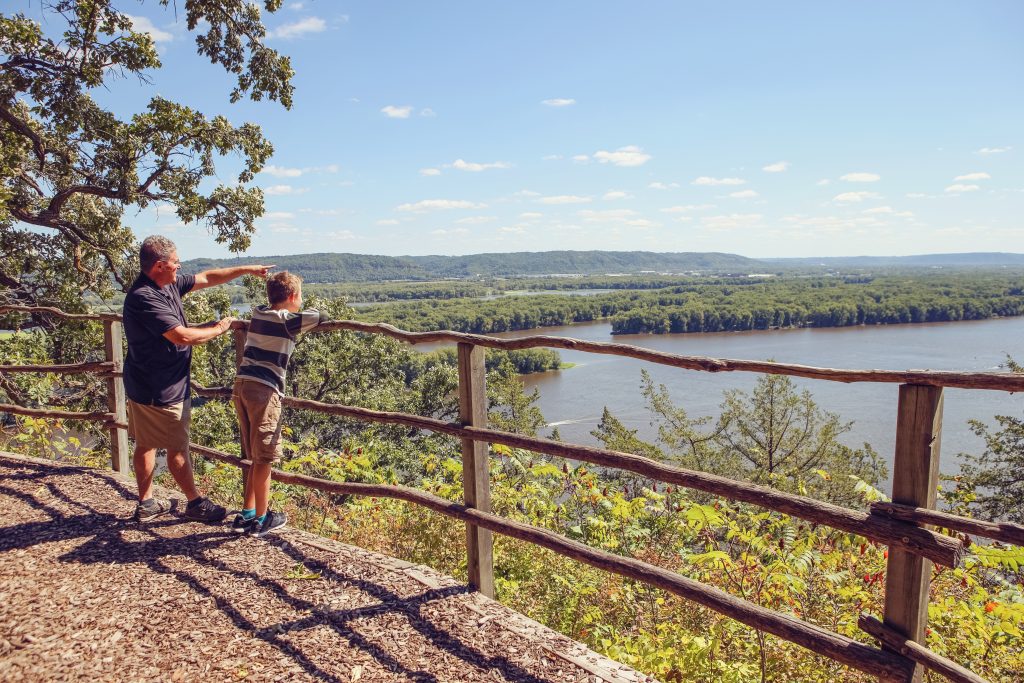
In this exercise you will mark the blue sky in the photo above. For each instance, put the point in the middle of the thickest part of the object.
(764, 129)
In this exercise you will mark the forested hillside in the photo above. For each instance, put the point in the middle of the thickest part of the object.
(368, 268)
(731, 304)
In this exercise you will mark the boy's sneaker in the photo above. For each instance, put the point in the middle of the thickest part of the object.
(202, 509)
(272, 522)
(150, 508)
(241, 524)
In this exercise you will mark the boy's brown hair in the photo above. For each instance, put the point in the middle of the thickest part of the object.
(282, 285)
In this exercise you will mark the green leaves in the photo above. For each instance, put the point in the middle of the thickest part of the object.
(70, 168)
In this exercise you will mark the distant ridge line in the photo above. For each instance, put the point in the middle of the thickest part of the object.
(347, 267)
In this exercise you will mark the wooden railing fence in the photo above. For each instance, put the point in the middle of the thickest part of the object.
(906, 524)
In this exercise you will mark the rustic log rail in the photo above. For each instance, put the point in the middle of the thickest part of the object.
(916, 651)
(99, 367)
(994, 381)
(902, 524)
(941, 549)
(1007, 532)
(833, 645)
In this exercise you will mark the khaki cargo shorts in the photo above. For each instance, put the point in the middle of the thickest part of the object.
(259, 420)
(160, 426)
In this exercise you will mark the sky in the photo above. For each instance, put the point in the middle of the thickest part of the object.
(762, 129)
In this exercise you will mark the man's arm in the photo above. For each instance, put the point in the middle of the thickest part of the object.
(218, 276)
(193, 336)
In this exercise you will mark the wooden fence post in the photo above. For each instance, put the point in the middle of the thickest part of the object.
(915, 476)
(112, 334)
(476, 479)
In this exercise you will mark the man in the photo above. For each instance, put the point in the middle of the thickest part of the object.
(158, 367)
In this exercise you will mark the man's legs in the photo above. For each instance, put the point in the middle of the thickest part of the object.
(179, 465)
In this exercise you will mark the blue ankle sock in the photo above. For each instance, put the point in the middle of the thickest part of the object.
(259, 520)
(249, 513)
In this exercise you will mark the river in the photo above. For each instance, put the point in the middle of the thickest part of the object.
(573, 399)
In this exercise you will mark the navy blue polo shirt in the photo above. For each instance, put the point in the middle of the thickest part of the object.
(156, 371)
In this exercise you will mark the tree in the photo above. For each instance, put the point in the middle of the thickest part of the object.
(994, 480)
(69, 168)
(774, 435)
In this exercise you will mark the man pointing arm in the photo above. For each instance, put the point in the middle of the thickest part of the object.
(157, 370)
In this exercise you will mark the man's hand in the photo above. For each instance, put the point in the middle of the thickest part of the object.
(238, 324)
(259, 271)
(226, 323)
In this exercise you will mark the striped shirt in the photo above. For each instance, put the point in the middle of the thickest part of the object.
(271, 341)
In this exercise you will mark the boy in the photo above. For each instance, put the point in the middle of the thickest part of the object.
(257, 394)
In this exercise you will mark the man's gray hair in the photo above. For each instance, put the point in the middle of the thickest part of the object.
(155, 248)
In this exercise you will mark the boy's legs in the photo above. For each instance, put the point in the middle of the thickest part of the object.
(259, 484)
(259, 410)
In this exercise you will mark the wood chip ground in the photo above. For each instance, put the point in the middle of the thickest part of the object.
(87, 594)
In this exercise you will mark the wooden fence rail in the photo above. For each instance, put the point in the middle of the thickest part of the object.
(995, 381)
(833, 645)
(903, 525)
(944, 550)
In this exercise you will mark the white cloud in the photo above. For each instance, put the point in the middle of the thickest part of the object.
(285, 172)
(685, 208)
(854, 196)
(340, 235)
(861, 177)
(707, 180)
(453, 231)
(959, 187)
(581, 158)
(564, 199)
(743, 194)
(823, 182)
(630, 155)
(985, 151)
(878, 209)
(281, 172)
(605, 216)
(777, 167)
(283, 228)
(731, 221)
(642, 223)
(920, 195)
(658, 185)
(904, 214)
(559, 102)
(476, 220)
(512, 229)
(463, 165)
(295, 6)
(430, 171)
(387, 221)
(427, 112)
(551, 157)
(393, 112)
(439, 204)
(144, 25)
(526, 193)
(278, 215)
(299, 28)
(973, 176)
(616, 194)
(274, 190)
(531, 215)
